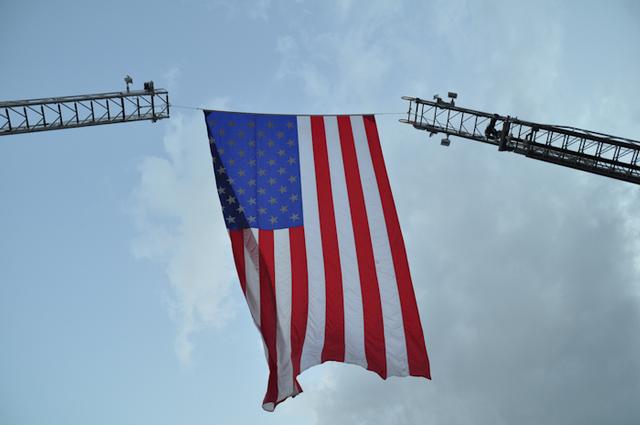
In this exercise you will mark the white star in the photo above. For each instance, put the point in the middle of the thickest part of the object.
(231, 219)
(251, 218)
(273, 219)
(231, 200)
(221, 190)
(294, 217)
(252, 201)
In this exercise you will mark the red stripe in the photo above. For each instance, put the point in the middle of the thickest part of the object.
(268, 309)
(237, 246)
(371, 305)
(416, 349)
(299, 296)
(334, 322)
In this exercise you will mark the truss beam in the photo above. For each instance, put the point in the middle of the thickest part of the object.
(589, 151)
(26, 116)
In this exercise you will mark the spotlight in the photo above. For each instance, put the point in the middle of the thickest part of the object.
(128, 80)
(445, 142)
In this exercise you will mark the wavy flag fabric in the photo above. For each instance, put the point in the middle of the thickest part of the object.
(317, 244)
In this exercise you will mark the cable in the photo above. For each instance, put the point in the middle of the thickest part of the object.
(186, 107)
(203, 109)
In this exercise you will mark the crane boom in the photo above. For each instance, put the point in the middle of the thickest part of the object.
(26, 116)
(589, 151)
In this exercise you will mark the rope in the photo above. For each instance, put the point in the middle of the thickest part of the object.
(196, 108)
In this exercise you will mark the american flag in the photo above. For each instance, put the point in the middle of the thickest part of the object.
(317, 244)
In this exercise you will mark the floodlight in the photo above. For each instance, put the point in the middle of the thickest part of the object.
(128, 80)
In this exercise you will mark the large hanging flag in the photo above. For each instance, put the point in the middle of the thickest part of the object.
(317, 244)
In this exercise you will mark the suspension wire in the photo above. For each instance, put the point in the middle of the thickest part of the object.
(186, 107)
(196, 108)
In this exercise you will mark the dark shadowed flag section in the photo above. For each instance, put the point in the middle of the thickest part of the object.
(317, 244)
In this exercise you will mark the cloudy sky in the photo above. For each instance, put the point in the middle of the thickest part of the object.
(118, 298)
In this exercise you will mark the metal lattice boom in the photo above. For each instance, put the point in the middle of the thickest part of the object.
(26, 116)
(584, 150)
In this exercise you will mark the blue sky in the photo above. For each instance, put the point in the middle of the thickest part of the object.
(118, 298)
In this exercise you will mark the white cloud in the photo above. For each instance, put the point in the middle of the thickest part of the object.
(171, 77)
(260, 10)
(254, 9)
(343, 67)
(180, 226)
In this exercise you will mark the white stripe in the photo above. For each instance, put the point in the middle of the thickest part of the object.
(314, 336)
(252, 272)
(394, 337)
(282, 259)
(352, 292)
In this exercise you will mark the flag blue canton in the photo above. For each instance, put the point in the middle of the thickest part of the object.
(256, 165)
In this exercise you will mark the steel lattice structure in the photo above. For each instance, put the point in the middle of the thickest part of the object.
(594, 152)
(26, 116)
